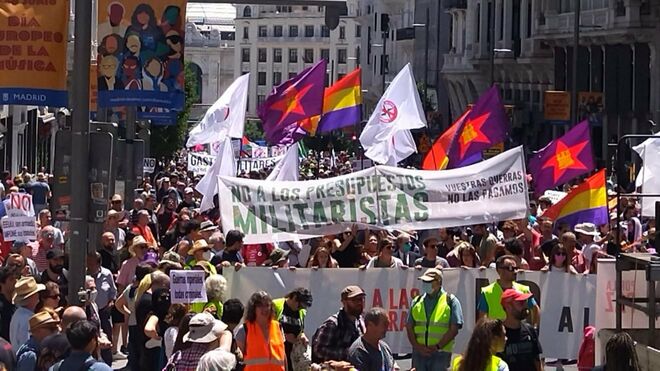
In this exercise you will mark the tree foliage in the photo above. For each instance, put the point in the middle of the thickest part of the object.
(166, 140)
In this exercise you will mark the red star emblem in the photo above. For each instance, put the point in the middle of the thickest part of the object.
(472, 133)
(290, 102)
(388, 112)
(564, 159)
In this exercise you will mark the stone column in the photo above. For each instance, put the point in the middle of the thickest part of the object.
(498, 21)
(483, 30)
(508, 22)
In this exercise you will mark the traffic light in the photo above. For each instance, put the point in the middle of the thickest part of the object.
(332, 14)
(385, 22)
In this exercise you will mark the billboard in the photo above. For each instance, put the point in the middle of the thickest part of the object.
(33, 45)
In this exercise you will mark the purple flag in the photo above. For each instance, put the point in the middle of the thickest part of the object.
(294, 100)
(486, 125)
(563, 159)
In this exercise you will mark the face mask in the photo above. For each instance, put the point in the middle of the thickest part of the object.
(57, 268)
(427, 287)
(559, 259)
(207, 255)
(406, 247)
(92, 295)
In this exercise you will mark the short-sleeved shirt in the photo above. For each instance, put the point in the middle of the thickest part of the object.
(39, 191)
(430, 301)
(364, 357)
(424, 262)
(482, 305)
(522, 349)
(349, 257)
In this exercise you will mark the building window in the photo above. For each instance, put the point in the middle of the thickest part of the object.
(261, 78)
(277, 31)
(357, 56)
(358, 30)
(293, 55)
(342, 33)
(245, 54)
(327, 80)
(261, 54)
(292, 75)
(247, 12)
(277, 78)
(277, 55)
(263, 31)
(283, 9)
(293, 31)
(308, 56)
(325, 31)
(260, 100)
(309, 31)
(341, 56)
(340, 76)
(246, 33)
(325, 54)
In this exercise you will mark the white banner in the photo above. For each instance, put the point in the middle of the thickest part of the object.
(563, 311)
(19, 228)
(256, 164)
(199, 163)
(149, 165)
(187, 286)
(381, 196)
(19, 204)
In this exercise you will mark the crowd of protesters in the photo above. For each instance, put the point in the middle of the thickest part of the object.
(126, 309)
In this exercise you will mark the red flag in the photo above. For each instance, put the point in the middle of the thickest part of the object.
(437, 157)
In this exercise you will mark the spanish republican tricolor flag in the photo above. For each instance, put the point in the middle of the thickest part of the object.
(584, 203)
(342, 106)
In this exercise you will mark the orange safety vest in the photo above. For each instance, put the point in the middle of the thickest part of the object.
(264, 354)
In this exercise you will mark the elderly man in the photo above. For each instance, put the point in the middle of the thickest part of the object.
(42, 325)
(45, 220)
(112, 226)
(26, 300)
(40, 248)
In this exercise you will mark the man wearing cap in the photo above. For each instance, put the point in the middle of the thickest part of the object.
(290, 311)
(205, 333)
(117, 204)
(523, 349)
(335, 336)
(586, 234)
(56, 273)
(141, 228)
(112, 225)
(201, 254)
(26, 301)
(490, 299)
(42, 325)
(433, 323)
(206, 229)
(188, 200)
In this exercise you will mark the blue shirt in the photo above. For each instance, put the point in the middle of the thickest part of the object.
(39, 191)
(77, 360)
(105, 285)
(27, 355)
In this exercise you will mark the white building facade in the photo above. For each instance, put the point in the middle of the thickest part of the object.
(274, 43)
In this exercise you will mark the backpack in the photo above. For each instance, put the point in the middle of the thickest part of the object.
(86, 366)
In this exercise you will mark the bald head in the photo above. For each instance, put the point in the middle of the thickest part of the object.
(72, 314)
(159, 280)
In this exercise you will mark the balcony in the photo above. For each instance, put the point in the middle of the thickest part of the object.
(563, 23)
(454, 4)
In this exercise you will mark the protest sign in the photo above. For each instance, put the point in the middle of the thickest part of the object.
(19, 204)
(563, 312)
(554, 196)
(33, 46)
(19, 228)
(256, 164)
(199, 163)
(149, 165)
(187, 286)
(382, 196)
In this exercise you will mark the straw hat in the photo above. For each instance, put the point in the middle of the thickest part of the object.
(26, 287)
(137, 240)
(198, 245)
(42, 319)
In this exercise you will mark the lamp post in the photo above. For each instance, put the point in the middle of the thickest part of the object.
(576, 48)
(426, 55)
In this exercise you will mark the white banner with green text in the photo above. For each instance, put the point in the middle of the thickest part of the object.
(382, 196)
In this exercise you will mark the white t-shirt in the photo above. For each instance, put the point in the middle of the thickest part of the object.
(170, 338)
(588, 252)
(396, 263)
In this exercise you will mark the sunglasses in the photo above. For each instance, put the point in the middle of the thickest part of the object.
(510, 268)
(560, 254)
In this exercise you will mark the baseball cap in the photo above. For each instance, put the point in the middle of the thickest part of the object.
(188, 190)
(515, 295)
(352, 292)
(116, 197)
(431, 274)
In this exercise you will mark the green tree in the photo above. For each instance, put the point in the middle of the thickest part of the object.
(427, 103)
(165, 140)
(253, 130)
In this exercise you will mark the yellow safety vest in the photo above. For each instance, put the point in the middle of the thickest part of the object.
(492, 365)
(493, 295)
(429, 331)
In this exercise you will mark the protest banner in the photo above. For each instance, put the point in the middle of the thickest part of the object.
(19, 228)
(199, 163)
(140, 55)
(19, 204)
(563, 312)
(382, 196)
(187, 286)
(149, 165)
(256, 164)
(554, 196)
(33, 45)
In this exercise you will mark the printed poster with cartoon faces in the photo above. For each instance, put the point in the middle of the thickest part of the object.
(140, 55)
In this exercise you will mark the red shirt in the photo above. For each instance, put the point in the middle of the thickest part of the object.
(255, 255)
